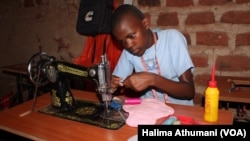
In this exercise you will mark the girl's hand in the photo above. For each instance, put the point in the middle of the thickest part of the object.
(139, 81)
(115, 83)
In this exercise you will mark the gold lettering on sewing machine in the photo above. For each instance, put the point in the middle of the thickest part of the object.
(70, 70)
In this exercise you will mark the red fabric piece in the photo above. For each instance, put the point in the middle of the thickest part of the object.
(113, 51)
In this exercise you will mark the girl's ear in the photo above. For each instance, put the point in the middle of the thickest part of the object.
(146, 22)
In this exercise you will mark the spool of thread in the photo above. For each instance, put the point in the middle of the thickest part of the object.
(132, 101)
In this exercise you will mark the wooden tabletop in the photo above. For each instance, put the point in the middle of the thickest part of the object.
(39, 126)
(241, 94)
(17, 69)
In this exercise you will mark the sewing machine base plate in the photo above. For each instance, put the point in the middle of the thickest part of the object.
(87, 112)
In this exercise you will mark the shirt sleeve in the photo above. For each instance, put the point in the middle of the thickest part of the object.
(179, 51)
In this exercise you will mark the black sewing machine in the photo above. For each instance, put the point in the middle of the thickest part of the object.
(44, 69)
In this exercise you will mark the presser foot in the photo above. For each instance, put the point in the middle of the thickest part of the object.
(113, 114)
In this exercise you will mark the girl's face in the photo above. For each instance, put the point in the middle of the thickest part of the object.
(134, 34)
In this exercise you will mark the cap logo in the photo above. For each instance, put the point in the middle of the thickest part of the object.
(89, 16)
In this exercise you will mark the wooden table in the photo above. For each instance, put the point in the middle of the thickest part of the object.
(20, 72)
(241, 95)
(39, 126)
(17, 69)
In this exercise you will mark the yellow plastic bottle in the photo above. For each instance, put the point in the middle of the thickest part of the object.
(212, 100)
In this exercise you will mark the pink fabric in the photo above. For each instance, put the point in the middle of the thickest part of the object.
(147, 112)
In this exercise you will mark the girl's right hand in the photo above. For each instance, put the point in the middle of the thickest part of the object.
(115, 83)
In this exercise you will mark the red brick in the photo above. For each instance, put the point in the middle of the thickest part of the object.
(200, 61)
(212, 38)
(213, 2)
(236, 17)
(202, 80)
(179, 3)
(187, 38)
(243, 39)
(167, 19)
(150, 3)
(233, 63)
(200, 18)
(242, 1)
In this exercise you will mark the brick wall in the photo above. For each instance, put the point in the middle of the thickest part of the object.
(217, 31)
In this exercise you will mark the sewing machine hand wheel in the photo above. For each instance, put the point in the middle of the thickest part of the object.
(35, 68)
